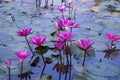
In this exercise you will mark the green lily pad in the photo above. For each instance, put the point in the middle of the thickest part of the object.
(41, 49)
(48, 60)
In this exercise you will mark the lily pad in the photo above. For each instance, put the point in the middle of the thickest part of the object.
(78, 76)
(100, 46)
(103, 69)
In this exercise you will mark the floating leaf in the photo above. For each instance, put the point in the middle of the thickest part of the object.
(55, 55)
(35, 62)
(80, 76)
(24, 12)
(103, 69)
(48, 60)
(53, 49)
(41, 49)
(46, 77)
(53, 33)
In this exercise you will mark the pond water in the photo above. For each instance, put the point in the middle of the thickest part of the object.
(96, 17)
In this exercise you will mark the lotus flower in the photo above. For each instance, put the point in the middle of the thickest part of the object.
(62, 23)
(24, 32)
(85, 44)
(59, 45)
(62, 8)
(22, 55)
(65, 36)
(38, 40)
(8, 62)
(58, 24)
(73, 24)
(112, 37)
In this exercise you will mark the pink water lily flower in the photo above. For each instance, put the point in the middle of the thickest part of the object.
(8, 62)
(62, 8)
(65, 36)
(112, 37)
(59, 45)
(85, 44)
(62, 23)
(38, 40)
(24, 32)
(73, 24)
(22, 55)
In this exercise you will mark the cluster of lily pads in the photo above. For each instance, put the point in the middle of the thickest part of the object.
(64, 39)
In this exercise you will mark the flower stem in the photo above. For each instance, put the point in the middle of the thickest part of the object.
(9, 74)
(52, 3)
(111, 45)
(21, 70)
(65, 76)
(69, 12)
(60, 57)
(43, 59)
(62, 15)
(42, 71)
(29, 47)
(60, 75)
(84, 58)
(67, 59)
(74, 15)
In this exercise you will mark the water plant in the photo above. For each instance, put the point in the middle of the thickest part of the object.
(24, 33)
(85, 45)
(62, 9)
(9, 63)
(38, 40)
(22, 55)
(112, 48)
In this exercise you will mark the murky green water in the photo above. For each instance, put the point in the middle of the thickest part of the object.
(100, 16)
